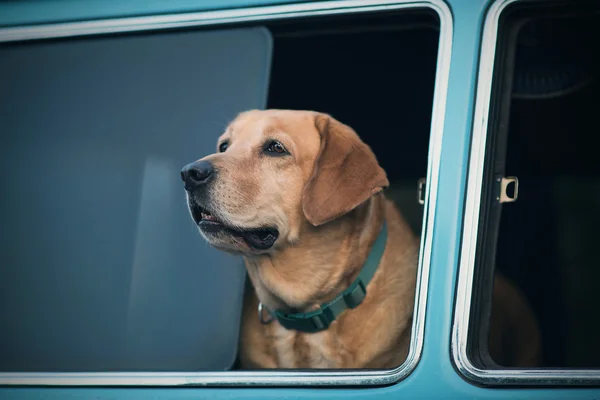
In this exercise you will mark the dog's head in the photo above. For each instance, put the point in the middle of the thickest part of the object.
(276, 172)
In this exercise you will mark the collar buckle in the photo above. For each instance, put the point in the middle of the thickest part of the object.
(356, 294)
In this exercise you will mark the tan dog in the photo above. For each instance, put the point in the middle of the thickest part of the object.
(298, 195)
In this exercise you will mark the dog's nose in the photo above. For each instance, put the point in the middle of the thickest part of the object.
(196, 174)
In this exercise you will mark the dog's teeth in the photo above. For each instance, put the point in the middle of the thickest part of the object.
(208, 217)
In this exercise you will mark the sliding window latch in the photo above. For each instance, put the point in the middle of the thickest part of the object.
(507, 189)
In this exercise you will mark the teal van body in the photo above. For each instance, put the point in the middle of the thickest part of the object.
(435, 375)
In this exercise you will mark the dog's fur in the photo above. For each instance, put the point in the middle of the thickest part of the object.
(325, 199)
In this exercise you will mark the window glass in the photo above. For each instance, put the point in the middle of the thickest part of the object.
(101, 269)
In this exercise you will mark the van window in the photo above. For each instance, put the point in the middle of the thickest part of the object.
(103, 269)
(539, 188)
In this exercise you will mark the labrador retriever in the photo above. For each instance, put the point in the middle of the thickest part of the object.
(332, 262)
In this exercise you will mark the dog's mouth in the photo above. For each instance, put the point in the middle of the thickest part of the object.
(257, 239)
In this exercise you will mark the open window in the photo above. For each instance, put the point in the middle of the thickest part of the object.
(103, 272)
(534, 218)
(374, 72)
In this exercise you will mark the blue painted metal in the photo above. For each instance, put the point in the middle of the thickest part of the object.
(435, 376)
(27, 12)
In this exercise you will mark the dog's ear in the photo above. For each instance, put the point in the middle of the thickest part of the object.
(346, 173)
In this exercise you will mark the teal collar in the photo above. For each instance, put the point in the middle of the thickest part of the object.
(320, 319)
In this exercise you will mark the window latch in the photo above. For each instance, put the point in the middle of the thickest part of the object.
(505, 193)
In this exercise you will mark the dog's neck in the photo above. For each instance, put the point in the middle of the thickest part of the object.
(324, 262)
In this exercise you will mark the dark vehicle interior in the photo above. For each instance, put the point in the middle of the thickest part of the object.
(375, 73)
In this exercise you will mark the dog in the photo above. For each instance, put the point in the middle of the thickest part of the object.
(331, 261)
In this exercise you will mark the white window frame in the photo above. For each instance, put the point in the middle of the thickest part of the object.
(261, 15)
(462, 312)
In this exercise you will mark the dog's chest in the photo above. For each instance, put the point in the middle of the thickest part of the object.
(306, 350)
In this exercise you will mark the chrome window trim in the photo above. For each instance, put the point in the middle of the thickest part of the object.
(261, 14)
(470, 230)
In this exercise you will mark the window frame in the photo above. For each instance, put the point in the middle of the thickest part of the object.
(258, 15)
(472, 209)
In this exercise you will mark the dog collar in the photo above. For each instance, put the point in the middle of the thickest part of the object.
(353, 296)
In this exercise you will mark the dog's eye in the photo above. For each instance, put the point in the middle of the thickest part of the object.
(275, 148)
(223, 146)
